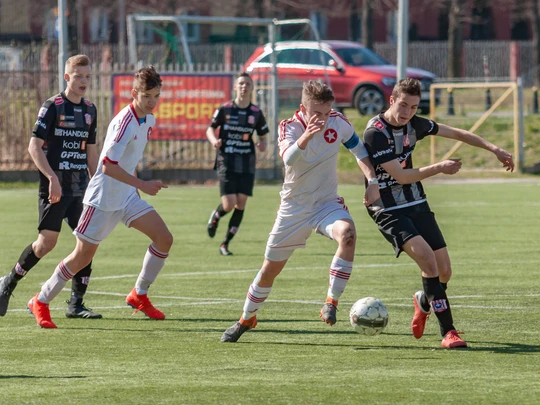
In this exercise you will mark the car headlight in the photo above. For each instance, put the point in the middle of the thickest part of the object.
(389, 81)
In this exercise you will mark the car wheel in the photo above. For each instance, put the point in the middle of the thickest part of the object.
(369, 101)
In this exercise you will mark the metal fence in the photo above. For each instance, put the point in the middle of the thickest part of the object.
(22, 92)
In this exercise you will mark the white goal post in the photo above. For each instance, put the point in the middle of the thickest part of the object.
(271, 25)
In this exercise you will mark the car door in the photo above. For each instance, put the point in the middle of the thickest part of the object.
(318, 67)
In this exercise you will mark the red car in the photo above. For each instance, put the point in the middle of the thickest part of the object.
(359, 77)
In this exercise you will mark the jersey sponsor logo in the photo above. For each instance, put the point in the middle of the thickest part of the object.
(42, 112)
(74, 145)
(406, 141)
(330, 135)
(41, 124)
(88, 103)
(72, 166)
(148, 133)
(78, 110)
(231, 149)
(251, 120)
(382, 152)
(88, 119)
(237, 128)
(439, 305)
(68, 132)
(378, 125)
(72, 155)
(245, 137)
(66, 117)
(67, 124)
(58, 101)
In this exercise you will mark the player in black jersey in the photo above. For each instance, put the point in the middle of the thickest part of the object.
(63, 147)
(235, 159)
(403, 214)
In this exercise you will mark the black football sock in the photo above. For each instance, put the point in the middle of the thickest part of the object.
(79, 282)
(439, 303)
(220, 211)
(234, 224)
(27, 260)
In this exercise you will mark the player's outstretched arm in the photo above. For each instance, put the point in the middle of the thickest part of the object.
(116, 172)
(35, 149)
(474, 140)
(408, 176)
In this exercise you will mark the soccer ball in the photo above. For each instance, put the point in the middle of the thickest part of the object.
(369, 316)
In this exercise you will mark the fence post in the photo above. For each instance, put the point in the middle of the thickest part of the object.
(451, 110)
(228, 57)
(514, 61)
(486, 77)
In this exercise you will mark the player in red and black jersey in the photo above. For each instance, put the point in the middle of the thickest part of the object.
(402, 213)
(237, 121)
(63, 147)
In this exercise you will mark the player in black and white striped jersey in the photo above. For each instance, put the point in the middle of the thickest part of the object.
(403, 214)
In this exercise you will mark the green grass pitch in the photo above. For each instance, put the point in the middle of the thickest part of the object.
(492, 231)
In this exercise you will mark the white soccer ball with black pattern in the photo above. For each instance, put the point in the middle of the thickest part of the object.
(369, 316)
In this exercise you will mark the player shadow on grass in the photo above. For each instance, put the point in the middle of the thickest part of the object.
(22, 376)
(503, 348)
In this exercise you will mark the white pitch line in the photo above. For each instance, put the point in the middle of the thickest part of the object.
(302, 268)
(195, 301)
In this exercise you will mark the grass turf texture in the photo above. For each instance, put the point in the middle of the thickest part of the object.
(291, 357)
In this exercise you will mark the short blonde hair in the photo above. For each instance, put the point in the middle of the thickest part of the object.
(77, 60)
(317, 92)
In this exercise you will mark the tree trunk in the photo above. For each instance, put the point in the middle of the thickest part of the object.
(535, 25)
(455, 39)
(367, 23)
(354, 20)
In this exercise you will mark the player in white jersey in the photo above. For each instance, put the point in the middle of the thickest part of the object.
(112, 197)
(309, 144)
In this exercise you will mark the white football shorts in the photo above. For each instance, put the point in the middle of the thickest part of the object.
(294, 224)
(95, 225)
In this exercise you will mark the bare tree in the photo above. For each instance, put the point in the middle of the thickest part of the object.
(367, 23)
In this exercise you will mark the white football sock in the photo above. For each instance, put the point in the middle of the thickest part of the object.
(255, 298)
(52, 287)
(340, 271)
(152, 264)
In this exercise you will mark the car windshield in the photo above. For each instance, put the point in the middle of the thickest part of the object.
(360, 57)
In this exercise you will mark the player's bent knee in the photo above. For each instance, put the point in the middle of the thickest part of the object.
(44, 247)
(346, 236)
(164, 241)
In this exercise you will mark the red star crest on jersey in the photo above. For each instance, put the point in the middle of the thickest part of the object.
(330, 135)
